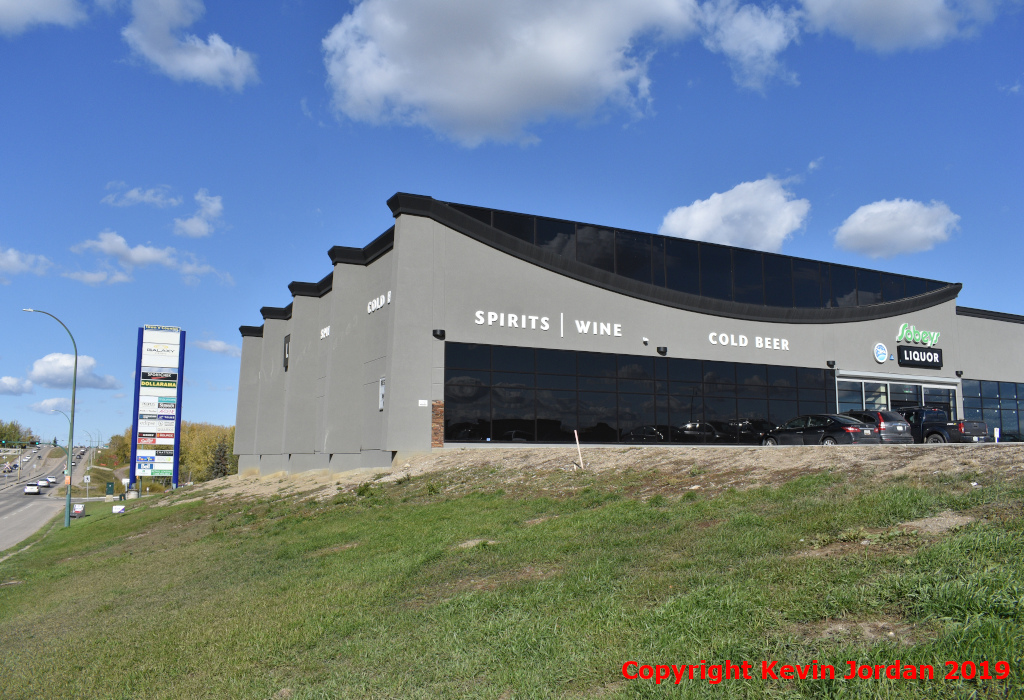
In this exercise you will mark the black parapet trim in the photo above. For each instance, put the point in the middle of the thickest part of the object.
(251, 331)
(276, 313)
(343, 255)
(428, 207)
(988, 315)
(312, 289)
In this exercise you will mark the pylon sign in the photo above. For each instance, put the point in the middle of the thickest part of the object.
(156, 427)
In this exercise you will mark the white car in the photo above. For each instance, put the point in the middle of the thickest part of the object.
(32, 489)
(52, 479)
(42, 483)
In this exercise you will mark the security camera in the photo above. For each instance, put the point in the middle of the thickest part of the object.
(646, 341)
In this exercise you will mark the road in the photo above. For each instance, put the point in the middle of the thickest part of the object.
(21, 515)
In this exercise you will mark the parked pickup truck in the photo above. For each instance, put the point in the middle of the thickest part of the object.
(929, 424)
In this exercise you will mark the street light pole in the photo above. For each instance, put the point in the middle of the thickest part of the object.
(71, 419)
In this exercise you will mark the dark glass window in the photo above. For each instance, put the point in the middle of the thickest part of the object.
(892, 287)
(752, 381)
(658, 261)
(473, 377)
(809, 378)
(556, 362)
(596, 364)
(720, 414)
(683, 410)
(748, 278)
(806, 284)
(778, 281)
(1007, 390)
(635, 367)
(511, 379)
(467, 356)
(633, 255)
(715, 271)
(682, 268)
(869, 287)
(596, 383)
(596, 246)
(781, 411)
(510, 359)
(932, 285)
(514, 224)
(972, 387)
(556, 381)
(844, 286)
(636, 386)
(680, 370)
(467, 413)
(478, 213)
(513, 415)
(557, 236)
(556, 415)
(781, 376)
(598, 417)
(719, 373)
(990, 390)
(637, 418)
(915, 286)
(661, 368)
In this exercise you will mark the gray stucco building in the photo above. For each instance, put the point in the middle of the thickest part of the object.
(462, 324)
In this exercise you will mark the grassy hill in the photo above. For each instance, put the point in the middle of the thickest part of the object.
(491, 579)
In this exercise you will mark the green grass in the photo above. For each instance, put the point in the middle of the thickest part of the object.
(369, 595)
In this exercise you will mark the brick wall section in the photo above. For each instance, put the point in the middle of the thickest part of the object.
(437, 424)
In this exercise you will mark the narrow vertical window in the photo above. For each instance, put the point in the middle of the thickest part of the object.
(287, 346)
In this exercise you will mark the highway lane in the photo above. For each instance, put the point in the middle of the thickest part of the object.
(21, 515)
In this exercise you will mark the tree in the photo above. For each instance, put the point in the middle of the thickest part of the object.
(220, 465)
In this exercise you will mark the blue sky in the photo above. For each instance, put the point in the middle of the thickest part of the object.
(179, 162)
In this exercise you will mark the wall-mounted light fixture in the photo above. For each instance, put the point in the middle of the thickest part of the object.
(959, 373)
(662, 350)
(831, 364)
(439, 333)
(646, 341)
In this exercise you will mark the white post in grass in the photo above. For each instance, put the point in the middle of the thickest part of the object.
(577, 435)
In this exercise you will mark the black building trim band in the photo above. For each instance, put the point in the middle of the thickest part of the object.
(251, 331)
(428, 207)
(988, 315)
(275, 313)
(312, 289)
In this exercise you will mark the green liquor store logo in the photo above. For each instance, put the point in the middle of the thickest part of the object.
(910, 334)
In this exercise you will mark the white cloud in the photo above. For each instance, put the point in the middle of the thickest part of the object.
(752, 37)
(761, 215)
(99, 277)
(14, 262)
(110, 244)
(50, 405)
(153, 34)
(18, 15)
(155, 196)
(476, 71)
(891, 227)
(219, 346)
(890, 25)
(202, 222)
(56, 370)
(13, 386)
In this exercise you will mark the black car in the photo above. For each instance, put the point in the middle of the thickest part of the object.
(823, 429)
(893, 429)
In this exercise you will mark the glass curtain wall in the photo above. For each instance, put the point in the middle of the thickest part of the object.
(510, 394)
(706, 269)
(881, 396)
(999, 404)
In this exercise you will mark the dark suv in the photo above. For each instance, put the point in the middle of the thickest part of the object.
(892, 428)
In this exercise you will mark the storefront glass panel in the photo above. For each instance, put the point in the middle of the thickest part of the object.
(557, 237)
(876, 396)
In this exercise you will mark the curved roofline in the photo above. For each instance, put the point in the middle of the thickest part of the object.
(428, 207)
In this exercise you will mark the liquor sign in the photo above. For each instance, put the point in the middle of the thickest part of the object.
(909, 356)
(156, 423)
